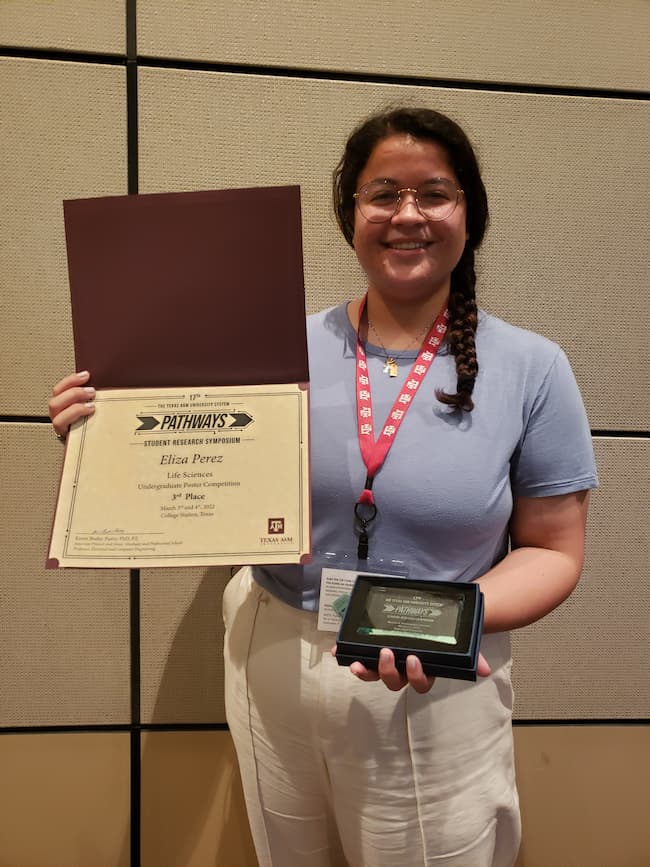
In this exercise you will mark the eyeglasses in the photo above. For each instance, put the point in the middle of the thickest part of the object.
(379, 201)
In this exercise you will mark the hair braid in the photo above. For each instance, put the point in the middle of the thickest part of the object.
(463, 319)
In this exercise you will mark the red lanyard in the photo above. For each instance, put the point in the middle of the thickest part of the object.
(374, 451)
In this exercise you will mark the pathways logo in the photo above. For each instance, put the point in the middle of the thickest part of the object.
(194, 421)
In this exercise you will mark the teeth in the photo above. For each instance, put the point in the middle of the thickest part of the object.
(409, 245)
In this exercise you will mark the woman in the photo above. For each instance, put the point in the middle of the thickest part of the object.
(485, 478)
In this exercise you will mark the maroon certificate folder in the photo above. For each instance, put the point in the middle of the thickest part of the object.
(199, 288)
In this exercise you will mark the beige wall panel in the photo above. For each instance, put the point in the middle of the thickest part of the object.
(181, 656)
(584, 795)
(64, 800)
(563, 42)
(63, 136)
(590, 658)
(193, 812)
(568, 180)
(569, 187)
(72, 25)
(64, 652)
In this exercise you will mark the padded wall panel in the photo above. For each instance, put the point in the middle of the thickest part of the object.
(584, 795)
(181, 652)
(568, 180)
(193, 810)
(590, 658)
(72, 25)
(64, 651)
(64, 800)
(569, 186)
(564, 42)
(63, 136)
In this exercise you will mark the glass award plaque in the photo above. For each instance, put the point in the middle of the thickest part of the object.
(440, 622)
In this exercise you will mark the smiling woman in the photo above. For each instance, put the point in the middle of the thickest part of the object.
(446, 445)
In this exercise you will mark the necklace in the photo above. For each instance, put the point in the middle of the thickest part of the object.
(390, 364)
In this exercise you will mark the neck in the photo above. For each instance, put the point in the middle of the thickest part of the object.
(398, 322)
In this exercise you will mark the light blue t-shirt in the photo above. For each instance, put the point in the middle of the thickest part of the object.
(444, 494)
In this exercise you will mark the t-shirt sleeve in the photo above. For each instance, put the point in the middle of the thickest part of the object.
(555, 453)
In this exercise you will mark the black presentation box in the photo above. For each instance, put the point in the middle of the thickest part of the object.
(441, 622)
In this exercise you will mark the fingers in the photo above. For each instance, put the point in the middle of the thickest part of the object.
(71, 399)
(391, 677)
(366, 674)
(415, 675)
(62, 421)
(483, 667)
(387, 671)
(420, 681)
(70, 381)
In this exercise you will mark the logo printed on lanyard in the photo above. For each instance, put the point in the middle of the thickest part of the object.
(374, 451)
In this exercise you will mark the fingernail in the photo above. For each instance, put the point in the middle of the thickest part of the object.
(89, 389)
(90, 407)
(83, 374)
(384, 655)
(410, 663)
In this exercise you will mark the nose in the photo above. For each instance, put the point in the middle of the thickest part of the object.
(407, 210)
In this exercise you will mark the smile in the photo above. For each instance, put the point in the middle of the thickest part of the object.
(408, 245)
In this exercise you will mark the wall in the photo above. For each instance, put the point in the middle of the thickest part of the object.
(113, 741)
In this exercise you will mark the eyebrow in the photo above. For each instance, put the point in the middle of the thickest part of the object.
(381, 180)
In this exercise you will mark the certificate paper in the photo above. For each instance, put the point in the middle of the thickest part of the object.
(186, 477)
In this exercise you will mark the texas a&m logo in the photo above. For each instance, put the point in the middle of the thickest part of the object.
(276, 526)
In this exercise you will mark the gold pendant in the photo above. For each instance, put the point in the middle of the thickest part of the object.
(390, 367)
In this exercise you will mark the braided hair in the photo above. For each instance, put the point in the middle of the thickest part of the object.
(424, 123)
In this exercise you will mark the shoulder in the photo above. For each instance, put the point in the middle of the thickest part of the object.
(329, 324)
(519, 354)
(331, 342)
(521, 364)
(529, 375)
(509, 341)
(327, 316)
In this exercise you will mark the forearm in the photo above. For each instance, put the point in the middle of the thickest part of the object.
(527, 584)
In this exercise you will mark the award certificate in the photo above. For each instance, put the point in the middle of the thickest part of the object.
(186, 477)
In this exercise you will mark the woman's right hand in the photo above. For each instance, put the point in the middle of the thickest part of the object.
(71, 399)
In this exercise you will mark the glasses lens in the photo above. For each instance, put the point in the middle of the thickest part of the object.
(437, 199)
(378, 200)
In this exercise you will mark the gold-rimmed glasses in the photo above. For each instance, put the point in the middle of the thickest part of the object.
(380, 200)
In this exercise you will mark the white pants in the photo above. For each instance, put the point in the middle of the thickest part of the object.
(339, 772)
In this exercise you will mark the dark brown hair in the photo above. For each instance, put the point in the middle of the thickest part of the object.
(425, 123)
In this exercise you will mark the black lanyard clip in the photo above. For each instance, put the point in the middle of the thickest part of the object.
(364, 513)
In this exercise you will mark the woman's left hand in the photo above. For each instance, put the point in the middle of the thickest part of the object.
(414, 676)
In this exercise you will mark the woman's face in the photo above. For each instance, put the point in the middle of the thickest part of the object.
(408, 257)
